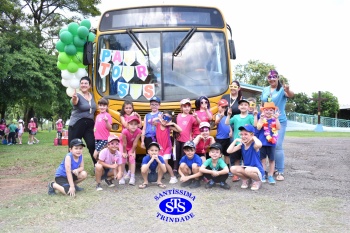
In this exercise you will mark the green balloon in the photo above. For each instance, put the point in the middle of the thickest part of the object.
(78, 58)
(72, 67)
(63, 30)
(83, 32)
(80, 49)
(60, 46)
(66, 37)
(81, 65)
(73, 28)
(70, 49)
(91, 37)
(86, 23)
(78, 42)
(61, 66)
(63, 58)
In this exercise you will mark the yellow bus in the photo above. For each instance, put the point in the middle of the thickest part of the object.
(169, 51)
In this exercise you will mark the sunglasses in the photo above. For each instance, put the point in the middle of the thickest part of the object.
(272, 77)
(233, 87)
(252, 104)
(204, 129)
(166, 118)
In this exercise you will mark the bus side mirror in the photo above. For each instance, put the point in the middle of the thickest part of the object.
(87, 57)
(231, 45)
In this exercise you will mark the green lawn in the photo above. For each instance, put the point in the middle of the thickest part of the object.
(316, 134)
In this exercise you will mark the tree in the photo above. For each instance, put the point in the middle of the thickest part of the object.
(301, 101)
(329, 107)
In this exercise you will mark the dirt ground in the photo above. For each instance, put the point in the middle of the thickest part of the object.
(313, 198)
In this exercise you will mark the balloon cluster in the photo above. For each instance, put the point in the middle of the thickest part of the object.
(71, 48)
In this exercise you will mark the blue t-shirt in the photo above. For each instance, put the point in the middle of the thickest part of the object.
(154, 164)
(196, 159)
(251, 158)
(278, 98)
(61, 170)
(150, 128)
(262, 136)
(223, 130)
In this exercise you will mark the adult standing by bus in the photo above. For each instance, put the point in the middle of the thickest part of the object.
(81, 124)
(278, 93)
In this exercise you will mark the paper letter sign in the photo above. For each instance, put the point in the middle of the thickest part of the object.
(128, 73)
(141, 72)
(116, 72)
(135, 90)
(117, 57)
(105, 55)
(123, 89)
(104, 69)
(148, 91)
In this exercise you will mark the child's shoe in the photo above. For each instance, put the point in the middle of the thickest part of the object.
(132, 181)
(263, 179)
(98, 187)
(195, 184)
(245, 184)
(271, 180)
(109, 183)
(256, 185)
(173, 180)
(224, 185)
(78, 189)
(122, 181)
(235, 178)
(51, 189)
(127, 175)
(210, 184)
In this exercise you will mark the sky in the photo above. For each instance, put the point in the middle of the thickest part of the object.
(306, 40)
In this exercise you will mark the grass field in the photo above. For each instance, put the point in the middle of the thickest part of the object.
(28, 208)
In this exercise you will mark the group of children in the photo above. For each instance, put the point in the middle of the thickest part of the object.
(182, 147)
(11, 132)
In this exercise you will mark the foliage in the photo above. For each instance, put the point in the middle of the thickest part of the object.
(328, 107)
(301, 102)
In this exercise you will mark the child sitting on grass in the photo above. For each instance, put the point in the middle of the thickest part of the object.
(71, 171)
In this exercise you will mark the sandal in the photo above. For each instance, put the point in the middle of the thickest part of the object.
(143, 186)
(161, 185)
(280, 177)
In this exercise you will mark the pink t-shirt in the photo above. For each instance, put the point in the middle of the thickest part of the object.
(204, 118)
(109, 158)
(126, 118)
(59, 126)
(185, 124)
(130, 138)
(101, 131)
(32, 126)
(163, 138)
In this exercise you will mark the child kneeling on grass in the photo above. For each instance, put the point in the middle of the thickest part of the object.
(109, 163)
(252, 168)
(71, 171)
(215, 169)
(152, 167)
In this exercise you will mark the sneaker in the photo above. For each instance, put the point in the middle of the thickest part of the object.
(132, 181)
(195, 184)
(271, 180)
(173, 180)
(78, 189)
(245, 184)
(9, 144)
(235, 178)
(37, 141)
(263, 179)
(127, 176)
(122, 181)
(256, 185)
(224, 185)
(98, 187)
(230, 174)
(176, 174)
(205, 180)
(51, 189)
(210, 184)
(186, 183)
(109, 183)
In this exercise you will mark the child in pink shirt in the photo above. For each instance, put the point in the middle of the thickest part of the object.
(59, 127)
(103, 124)
(203, 112)
(185, 120)
(126, 112)
(130, 136)
(164, 125)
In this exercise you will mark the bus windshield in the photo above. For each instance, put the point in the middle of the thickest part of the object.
(125, 72)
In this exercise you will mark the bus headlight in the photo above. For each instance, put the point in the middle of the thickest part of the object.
(115, 126)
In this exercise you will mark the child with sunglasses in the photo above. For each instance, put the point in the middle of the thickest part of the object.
(203, 112)
(164, 125)
(203, 140)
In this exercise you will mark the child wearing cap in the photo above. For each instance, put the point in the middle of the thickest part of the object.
(189, 166)
(164, 125)
(185, 120)
(20, 130)
(252, 168)
(12, 133)
(268, 126)
(203, 140)
(108, 164)
(223, 131)
(103, 124)
(152, 167)
(149, 130)
(71, 171)
(130, 137)
(203, 112)
(215, 168)
(237, 121)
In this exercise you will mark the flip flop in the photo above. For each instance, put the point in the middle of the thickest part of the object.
(280, 177)
(143, 186)
(161, 185)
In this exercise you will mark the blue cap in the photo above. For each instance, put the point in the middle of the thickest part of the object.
(155, 98)
(248, 128)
